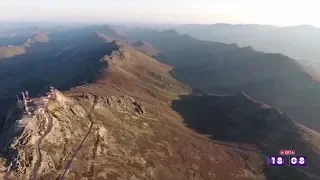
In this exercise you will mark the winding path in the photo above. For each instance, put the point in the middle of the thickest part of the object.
(67, 167)
(38, 144)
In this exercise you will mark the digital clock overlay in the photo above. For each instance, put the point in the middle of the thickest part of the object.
(298, 161)
(276, 161)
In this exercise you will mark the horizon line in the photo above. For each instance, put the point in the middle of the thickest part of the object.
(141, 23)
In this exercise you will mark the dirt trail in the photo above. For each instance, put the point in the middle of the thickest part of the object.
(94, 154)
(67, 167)
(38, 144)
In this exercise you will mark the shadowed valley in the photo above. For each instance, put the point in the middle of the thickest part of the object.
(226, 68)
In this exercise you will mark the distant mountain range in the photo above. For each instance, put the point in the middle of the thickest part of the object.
(226, 68)
(137, 103)
(299, 42)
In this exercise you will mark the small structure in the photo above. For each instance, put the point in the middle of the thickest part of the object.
(51, 94)
(23, 96)
(20, 103)
(26, 102)
(18, 99)
(27, 110)
(32, 105)
(51, 88)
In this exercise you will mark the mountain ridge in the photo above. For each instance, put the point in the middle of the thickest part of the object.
(11, 51)
(216, 67)
(299, 42)
(142, 118)
(132, 120)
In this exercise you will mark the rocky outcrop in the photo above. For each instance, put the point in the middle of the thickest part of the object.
(61, 99)
(121, 103)
(119, 54)
(32, 152)
(22, 139)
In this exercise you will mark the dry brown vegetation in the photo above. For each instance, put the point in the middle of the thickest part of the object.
(136, 134)
(154, 144)
(140, 129)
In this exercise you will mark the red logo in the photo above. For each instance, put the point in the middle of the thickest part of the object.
(287, 152)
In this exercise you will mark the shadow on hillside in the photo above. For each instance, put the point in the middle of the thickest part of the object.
(230, 120)
(7, 136)
(68, 60)
(65, 62)
(212, 115)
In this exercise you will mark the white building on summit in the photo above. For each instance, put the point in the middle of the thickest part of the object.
(31, 105)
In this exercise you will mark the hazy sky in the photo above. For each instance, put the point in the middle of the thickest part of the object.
(276, 12)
